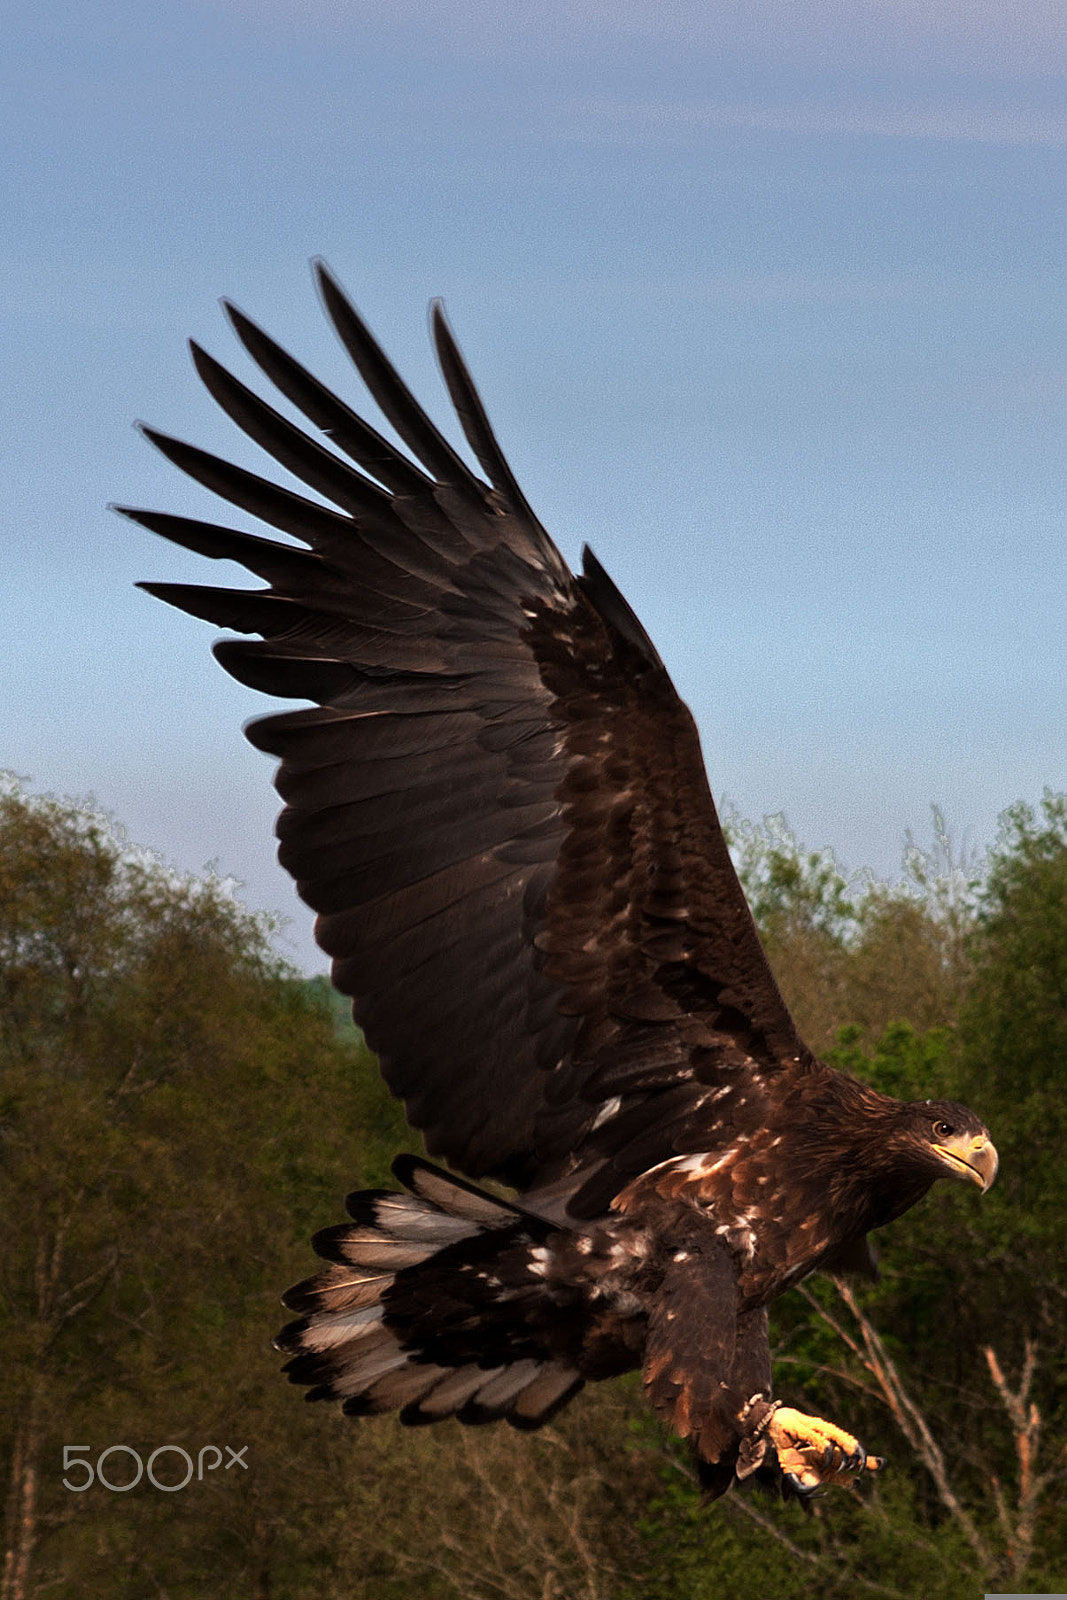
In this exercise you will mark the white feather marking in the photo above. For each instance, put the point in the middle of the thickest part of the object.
(544, 1391)
(399, 1388)
(455, 1391)
(537, 1261)
(405, 1217)
(360, 1377)
(724, 1161)
(607, 1110)
(337, 1291)
(330, 1328)
(363, 1247)
(460, 1203)
(508, 1383)
(697, 1163)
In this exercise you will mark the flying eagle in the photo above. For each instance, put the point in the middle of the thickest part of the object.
(498, 809)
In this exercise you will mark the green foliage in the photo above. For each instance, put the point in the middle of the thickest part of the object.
(789, 888)
(179, 1115)
(902, 1062)
(859, 954)
(1013, 1067)
(1014, 1026)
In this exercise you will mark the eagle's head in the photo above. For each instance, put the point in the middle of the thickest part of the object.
(946, 1141)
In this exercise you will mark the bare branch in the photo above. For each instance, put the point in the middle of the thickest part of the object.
(830, 1320)
(910, 1420)
(839, 1373)
(1025, 1421)
(68, 1305)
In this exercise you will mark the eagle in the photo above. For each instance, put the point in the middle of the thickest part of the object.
(497, 807)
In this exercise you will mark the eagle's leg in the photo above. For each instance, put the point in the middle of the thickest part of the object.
(813, 1452)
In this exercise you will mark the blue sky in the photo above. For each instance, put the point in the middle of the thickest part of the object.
(766, 302)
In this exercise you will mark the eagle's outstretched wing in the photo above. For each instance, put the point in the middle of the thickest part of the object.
(497, 806)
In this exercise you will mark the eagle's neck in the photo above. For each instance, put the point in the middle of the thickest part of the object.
(847, 1157)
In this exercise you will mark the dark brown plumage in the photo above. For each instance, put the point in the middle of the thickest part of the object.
(498, 809)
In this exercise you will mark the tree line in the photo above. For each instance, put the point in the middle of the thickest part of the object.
(180, 1111)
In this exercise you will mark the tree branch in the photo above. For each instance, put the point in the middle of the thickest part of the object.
(1026, 1427)
(910, 1420)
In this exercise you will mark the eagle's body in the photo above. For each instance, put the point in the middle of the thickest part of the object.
(499, 810)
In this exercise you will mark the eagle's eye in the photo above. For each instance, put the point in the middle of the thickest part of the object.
(944, 1130)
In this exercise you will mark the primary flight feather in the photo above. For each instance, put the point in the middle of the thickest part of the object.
(498, 809)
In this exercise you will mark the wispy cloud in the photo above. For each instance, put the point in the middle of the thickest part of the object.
(979, 124)
(986, 36)
(760, 288)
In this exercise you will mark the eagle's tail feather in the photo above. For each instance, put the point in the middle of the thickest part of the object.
(424, 1308)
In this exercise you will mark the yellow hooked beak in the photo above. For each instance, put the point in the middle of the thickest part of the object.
(972, 1156)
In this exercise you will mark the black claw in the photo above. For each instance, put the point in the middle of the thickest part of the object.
(803, 1491)
(828, 1455)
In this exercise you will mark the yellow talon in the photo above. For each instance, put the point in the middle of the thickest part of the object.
(813, 1452)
